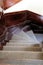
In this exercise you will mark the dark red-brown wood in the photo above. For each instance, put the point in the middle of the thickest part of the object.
(2, 31)
(15, 18)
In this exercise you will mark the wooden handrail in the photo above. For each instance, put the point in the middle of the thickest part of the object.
(15, 18)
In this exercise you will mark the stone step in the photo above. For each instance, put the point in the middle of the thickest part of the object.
(23, 41)
(22, 44)
(21, 48)
(13, 55)
(22, 62)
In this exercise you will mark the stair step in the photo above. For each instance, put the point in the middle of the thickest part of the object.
(22, 44)
(22, 62)
(23, 41)
(13, 55)
(21, 48)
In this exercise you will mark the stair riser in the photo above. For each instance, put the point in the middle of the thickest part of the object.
(23, 41)
(13, 55)
(21, 48)
(23, 44)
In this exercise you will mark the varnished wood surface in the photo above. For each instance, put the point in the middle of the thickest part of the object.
(9, 3)
(35, 17)
(2, 23)
(1, 3)
(14, 18)
(2, 31)
(0, 15)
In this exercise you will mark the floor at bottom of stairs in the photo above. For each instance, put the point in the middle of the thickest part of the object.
(22, 62)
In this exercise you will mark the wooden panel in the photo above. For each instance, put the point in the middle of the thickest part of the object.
(1, 3)
(9, 3)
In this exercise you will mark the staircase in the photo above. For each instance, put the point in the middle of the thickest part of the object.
(21, 53)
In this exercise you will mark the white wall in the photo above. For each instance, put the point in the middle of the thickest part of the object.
(32, 5)
(1, 9)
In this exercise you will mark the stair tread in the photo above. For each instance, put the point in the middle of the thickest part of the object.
(21, 48)
(20, 55)
(21, 44)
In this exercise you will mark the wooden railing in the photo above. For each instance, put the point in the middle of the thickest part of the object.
(14, 18)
